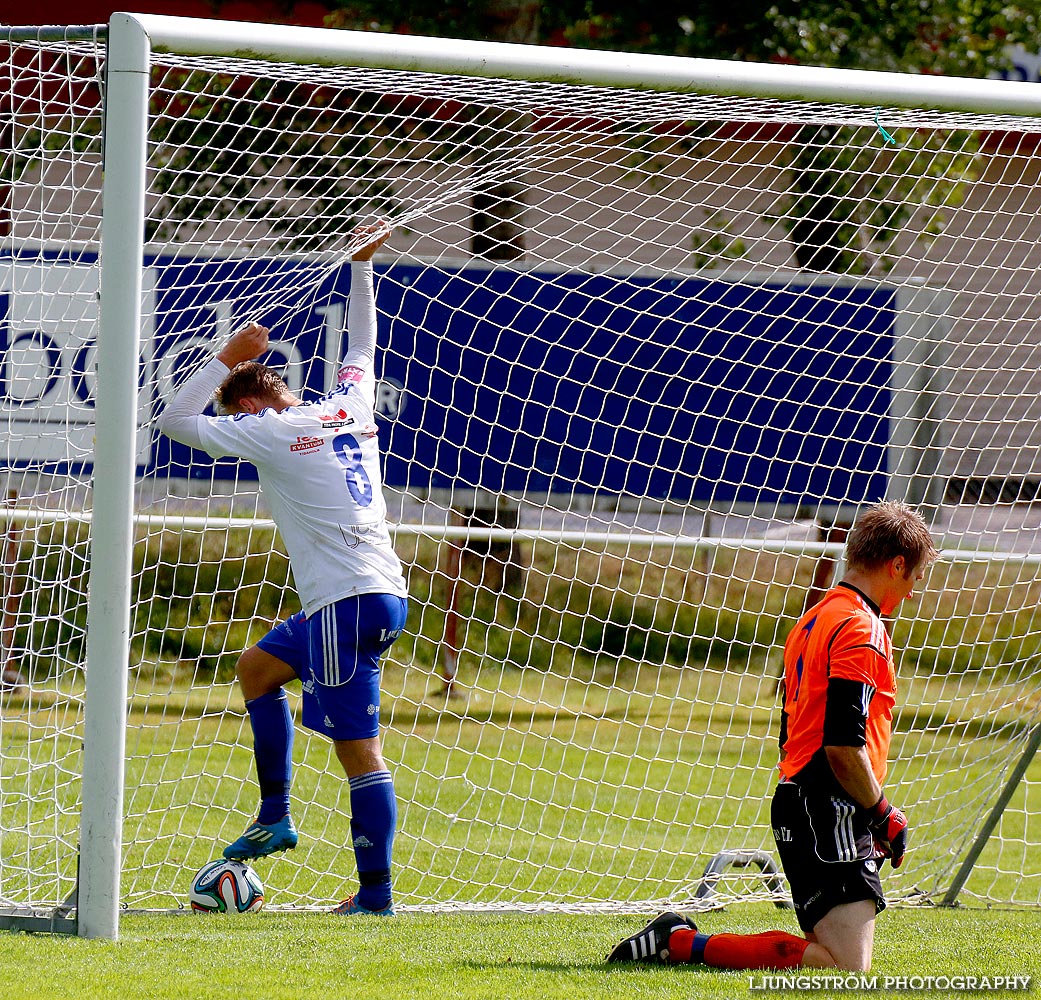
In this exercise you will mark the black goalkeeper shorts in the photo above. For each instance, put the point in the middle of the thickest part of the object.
(827, 852)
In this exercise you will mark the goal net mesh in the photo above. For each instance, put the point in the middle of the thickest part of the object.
(643, 358)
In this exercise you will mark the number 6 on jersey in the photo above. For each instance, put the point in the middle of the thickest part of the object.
(348, 451)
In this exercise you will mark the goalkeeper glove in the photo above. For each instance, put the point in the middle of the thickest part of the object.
(889, 828)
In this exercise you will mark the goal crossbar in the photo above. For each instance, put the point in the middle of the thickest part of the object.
(589, 67)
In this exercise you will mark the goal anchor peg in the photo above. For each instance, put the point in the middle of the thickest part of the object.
(740, 859)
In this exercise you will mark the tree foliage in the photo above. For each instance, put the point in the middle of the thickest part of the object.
(832, 222)
(952, 37)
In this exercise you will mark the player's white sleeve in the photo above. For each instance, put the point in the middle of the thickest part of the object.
(244, 435)
(182, 419)
(361, 329)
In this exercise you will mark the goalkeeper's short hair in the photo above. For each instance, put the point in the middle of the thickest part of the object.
(249, 378)
(888, 530)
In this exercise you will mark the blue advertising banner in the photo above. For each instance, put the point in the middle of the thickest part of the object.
(681, 388)
(673, 388)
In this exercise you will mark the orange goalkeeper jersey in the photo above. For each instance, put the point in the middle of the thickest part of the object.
(841, 636)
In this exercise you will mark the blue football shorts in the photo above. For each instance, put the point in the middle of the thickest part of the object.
(336, 654)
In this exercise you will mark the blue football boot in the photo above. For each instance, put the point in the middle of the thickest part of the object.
(260, 840)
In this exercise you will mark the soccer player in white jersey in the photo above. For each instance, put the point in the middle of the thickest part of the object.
(318, 466)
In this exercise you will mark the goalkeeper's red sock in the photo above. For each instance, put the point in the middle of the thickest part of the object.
(771, 950)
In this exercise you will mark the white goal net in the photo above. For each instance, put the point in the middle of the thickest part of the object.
(643, 357)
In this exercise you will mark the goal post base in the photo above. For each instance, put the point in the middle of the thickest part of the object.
(38, 923)
(737, 858)
(63, 919)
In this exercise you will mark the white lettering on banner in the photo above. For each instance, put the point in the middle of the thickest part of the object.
(390, 398)
(288, 361)
(223, 320)
(48, 356)
(176, 364)
(49, 316)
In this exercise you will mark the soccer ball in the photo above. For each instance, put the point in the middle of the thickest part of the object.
(227, 887)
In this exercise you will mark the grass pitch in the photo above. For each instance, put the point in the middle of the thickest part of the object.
(582, 776)
(472, 956)
(536, 787)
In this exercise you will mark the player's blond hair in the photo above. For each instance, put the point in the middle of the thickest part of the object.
(888, 530)
(249, 378)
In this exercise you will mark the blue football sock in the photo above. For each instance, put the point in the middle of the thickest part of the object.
(374, 818)
(273, 749)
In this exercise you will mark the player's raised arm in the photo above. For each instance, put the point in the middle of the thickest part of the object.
(182, 413)
(246, 344)
(361, 310)
(182, 417)
(376, 234)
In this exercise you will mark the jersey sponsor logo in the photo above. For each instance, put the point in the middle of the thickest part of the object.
(350, 373)
(341, 418)
(305, 443)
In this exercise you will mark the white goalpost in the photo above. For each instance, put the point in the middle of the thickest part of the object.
(652, 332)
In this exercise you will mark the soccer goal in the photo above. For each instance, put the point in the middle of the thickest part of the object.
(652, 332)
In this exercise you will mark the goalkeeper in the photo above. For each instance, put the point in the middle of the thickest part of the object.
(831, 820)
(318, 465)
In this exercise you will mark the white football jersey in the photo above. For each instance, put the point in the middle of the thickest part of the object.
(318, 466)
